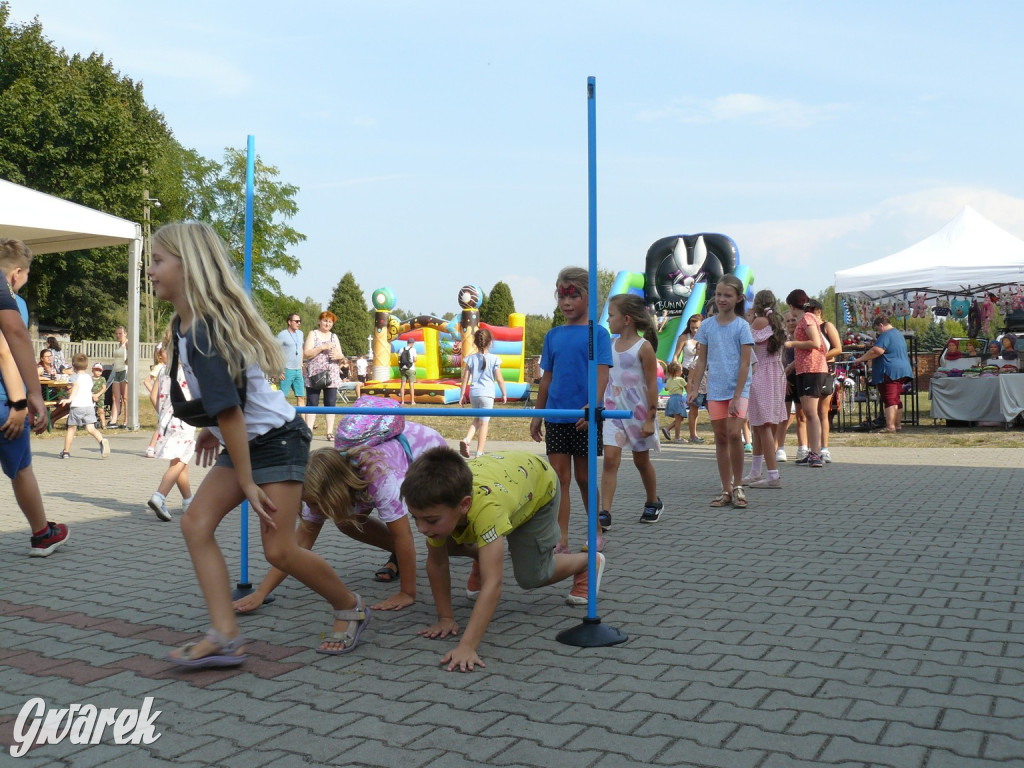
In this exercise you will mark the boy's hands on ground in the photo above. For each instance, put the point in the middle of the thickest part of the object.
(395, 603)
(441, 629)
(463, 657)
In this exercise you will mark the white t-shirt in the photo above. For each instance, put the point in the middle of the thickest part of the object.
(83, 395)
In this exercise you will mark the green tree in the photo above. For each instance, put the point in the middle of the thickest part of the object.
(498, 305)
(536, 327)
(605, 280)
(355, 323)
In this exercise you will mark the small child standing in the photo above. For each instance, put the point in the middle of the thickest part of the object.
(676, 406)
(724, 348)
(480, 371)
(176, 440)
(632, 386)
(83, 408)
(15, 432)
(99, 388)
(150, 383)
(767, 390)
(565, 358)
(468, 509)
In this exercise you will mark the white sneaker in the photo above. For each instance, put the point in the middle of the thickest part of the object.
(751, 478)
(780, 455)
(825, 456)
(801, 452)
(159, 506)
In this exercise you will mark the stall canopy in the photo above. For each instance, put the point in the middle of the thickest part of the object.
(968, 256)
(49, 224)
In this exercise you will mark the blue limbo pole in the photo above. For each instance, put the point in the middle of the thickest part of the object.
(244, 586)
(592, 633)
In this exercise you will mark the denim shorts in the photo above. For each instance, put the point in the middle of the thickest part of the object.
(118, 376)
(16, 454)
(279, 455)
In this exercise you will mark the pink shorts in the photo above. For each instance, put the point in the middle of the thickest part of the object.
(719, 409)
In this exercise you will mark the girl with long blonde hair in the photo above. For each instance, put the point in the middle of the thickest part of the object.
(227, 352)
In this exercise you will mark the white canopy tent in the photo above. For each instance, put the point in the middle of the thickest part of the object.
(49, 224)
(968, 256)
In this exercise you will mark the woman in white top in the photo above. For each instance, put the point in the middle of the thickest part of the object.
(119, 380)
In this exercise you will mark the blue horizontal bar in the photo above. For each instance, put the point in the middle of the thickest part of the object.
(528, 413)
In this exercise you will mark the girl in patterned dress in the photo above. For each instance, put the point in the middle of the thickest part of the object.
(767, 390)
(632, 386)
(175, 440)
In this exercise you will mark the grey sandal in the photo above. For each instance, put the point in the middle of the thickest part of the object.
(360, 615)
(225, 653)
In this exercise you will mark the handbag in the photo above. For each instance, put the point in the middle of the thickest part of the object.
(319, 380)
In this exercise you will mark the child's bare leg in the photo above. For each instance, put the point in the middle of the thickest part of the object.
(284, 553)
(184, 488)
(217, 496)
(30, 500)
(471, 432)
(765, 435)
(481, 437)
(171, 477)
(693, 423)
(610, 474)
(567, 566)
(562, 464)
(642, 461)
(91, 429)
(68, 437)
(677, 425)
(810, 409)
(735, 428)
(581, 469)
(722, 454)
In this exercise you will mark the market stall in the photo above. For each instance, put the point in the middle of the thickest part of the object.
(963, 271)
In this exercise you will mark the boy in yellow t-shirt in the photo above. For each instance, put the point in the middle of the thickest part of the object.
(468, 509)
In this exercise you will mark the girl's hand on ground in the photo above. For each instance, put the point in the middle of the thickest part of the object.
(249, 603)
(441, 629)
(463, 658)
(395, 603)
(206, 448)
(261, 504)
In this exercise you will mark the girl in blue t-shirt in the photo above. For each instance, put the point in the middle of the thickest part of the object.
(724, 347)
(564, 358)
(480, 371)
(226, 352)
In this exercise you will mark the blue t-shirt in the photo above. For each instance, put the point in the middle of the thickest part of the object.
(894, 362)
(22, 308)
(291, 344)
(725, 344)
(481, 367)
(565, 355)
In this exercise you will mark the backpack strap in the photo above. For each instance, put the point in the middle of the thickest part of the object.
(405, 445)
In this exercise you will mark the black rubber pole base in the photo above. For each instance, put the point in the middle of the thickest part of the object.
(244, 588)
(591, 634)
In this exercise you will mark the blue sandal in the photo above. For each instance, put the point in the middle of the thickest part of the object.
(359, 615)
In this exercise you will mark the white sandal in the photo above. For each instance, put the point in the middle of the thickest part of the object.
(360, 616)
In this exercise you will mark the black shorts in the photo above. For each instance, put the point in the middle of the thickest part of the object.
(279, 455)
(814, 384)
(561, 437)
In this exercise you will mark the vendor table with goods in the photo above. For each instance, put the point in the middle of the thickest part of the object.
(997, 398)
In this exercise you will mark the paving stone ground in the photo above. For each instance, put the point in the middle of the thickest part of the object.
(867, 614)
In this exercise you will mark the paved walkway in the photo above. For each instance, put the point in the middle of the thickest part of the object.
(867, 614)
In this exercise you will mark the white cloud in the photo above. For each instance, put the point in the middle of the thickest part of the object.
(744, 107)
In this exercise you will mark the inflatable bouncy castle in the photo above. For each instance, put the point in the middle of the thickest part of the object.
(680, 276)
(440, 347)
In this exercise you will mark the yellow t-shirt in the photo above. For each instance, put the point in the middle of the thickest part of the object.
(508, 489)
(676, 386)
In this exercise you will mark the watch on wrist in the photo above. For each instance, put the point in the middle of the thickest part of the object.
(18, 405)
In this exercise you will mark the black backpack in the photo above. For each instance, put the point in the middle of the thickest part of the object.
(404, 360)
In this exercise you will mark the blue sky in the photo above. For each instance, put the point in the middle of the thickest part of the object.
(441, 143)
